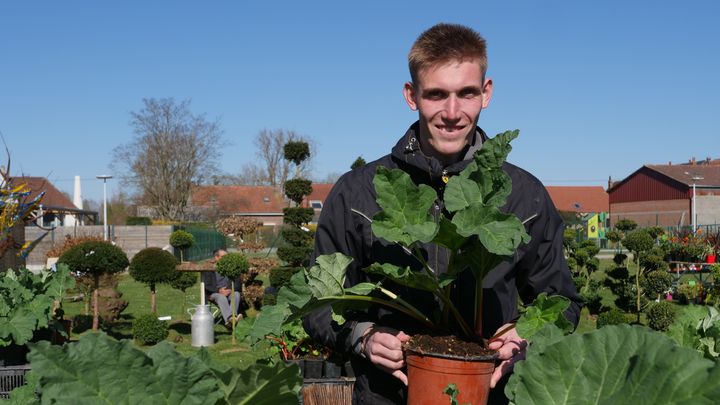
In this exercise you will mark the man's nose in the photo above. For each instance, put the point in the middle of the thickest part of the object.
(452, 108)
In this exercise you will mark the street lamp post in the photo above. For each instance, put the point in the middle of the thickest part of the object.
(104, 178)
(694, 204)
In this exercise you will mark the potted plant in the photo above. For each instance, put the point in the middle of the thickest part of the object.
(479, 237)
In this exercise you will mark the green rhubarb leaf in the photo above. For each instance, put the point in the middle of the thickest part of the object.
(477, 258)
(62, 280)
(405, 215)
(268, 385)
(181, 380)
(500, 233)
(494, 151)
(268, 322)
(327, 277)
(684, 330)
(460, 192)
(296, 293)
(99, 369)
(404, 276)
(448, 236)
(18, 327)
(612, 365)
(544, 310)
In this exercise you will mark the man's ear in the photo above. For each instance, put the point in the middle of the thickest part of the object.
(410, 95)
(487, 93)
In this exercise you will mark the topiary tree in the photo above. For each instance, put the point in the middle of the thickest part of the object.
(152, 266)
(297, 189)
(95, 258)
(181, 240)
(655, 283)
(612, 317)
(638, 242)
(232, 266)
(625, 225)
(661, 315)
(359, 162)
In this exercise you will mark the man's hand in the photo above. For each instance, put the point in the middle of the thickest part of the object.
(224, 291)
(511, 348)
(383, 347)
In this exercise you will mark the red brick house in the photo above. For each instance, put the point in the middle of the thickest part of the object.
(662, 195)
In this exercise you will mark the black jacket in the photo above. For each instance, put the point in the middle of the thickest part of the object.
(344, 226)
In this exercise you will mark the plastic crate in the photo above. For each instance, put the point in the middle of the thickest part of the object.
(12, 377)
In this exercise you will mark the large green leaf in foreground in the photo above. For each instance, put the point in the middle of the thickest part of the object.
(615, 365)
(100, 370)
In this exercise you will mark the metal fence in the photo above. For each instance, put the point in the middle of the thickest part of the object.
(206, 241)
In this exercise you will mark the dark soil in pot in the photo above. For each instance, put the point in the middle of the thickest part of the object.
(450, 346)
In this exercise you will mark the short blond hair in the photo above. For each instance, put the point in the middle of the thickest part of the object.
(444, 43)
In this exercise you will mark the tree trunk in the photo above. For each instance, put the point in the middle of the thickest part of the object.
(232, 307)
(153, 302)
(96, 318)
(637, 290)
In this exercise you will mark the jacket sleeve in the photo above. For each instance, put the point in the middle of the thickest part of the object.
(547, 270)
(338, 231)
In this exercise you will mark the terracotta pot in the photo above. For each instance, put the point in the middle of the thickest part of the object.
(429, 375)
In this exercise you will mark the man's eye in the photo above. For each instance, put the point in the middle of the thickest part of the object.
(469, 94)
(435, 95)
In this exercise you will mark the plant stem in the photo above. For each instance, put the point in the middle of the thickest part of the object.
(478, 305)
(401, 305)
(418, 255)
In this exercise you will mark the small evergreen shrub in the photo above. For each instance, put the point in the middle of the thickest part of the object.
(148, 330)
(656, 282)
(297, 216)
(620, 258)
(297, 189)
(295, 255)
(153, 265)
(95, 258)
(280, 276)
(611, 317)
(661, 315)
(232, 265)
(181, 240)
(184, 280)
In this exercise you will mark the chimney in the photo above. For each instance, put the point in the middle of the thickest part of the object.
(77, 194)
(669, 162)
(692, 161)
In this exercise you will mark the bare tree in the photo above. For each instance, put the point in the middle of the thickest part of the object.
(275, 169)
(172, 150)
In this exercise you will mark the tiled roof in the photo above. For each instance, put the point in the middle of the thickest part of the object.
(54, 199)
(684, 173)
(579, 198)
(320, 191)
(239, 199)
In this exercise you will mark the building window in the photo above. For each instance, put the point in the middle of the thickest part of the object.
(316, 204)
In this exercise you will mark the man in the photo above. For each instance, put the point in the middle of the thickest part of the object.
(448, 90)
(219, 289)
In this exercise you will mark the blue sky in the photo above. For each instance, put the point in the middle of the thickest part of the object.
(597, 89)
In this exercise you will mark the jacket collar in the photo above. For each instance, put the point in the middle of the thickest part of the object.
(411, 158)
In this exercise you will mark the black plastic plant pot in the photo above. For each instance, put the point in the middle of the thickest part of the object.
(300, 363)
(313, 368)
(331, 370)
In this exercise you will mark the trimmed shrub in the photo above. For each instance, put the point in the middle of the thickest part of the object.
(620, 258)
(656, 282)
(625, 225)
(294, 255)
(297, 216)
(280, 276)
(153, 265)
(95, 258)
(297, 189)
(638, 241)
(232, 265)
(661, 315)
(591, 296)
(148, 330)
(184, 280)
(611, 317)
(296, 236)
(181, 240)
(296, 151)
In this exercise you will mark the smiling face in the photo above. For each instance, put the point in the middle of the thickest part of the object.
(448, 98)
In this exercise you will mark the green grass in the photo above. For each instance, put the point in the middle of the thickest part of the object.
(173, 303)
